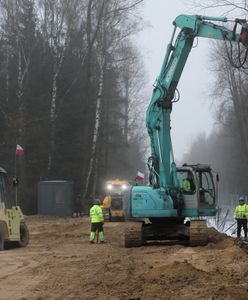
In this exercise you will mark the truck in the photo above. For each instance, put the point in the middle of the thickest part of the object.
(13, 229)
(113, 201)
(177, 201)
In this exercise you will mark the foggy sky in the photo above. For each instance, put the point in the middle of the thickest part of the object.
(192, 114)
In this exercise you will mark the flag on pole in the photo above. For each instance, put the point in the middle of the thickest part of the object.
(140, 176)
(19, 150)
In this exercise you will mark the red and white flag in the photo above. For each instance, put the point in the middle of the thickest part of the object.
(19, 150)
(140, 176)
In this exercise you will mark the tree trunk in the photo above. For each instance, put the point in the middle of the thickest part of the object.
(239, 105)
(91, 38)
(52, 123)
(126, 103)
(95, 132)
(59, 46)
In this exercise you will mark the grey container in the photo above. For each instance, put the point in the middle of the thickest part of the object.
(55, 198)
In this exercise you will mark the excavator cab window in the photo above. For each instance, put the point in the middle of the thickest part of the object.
(116, 190)
(186, 180)
(206, 188)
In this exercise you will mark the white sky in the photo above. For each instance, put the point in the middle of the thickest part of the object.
(192, 114)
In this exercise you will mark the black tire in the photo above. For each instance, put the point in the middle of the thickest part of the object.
(1, 240)
(24, 235)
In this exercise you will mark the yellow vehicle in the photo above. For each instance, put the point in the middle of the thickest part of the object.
(113, 201)
(12, 224)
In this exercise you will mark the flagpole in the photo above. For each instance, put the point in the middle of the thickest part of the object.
(15, 167)
(15, 174)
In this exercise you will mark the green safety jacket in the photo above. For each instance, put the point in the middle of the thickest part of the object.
(186, 185)
(241, 212)
(96, 214)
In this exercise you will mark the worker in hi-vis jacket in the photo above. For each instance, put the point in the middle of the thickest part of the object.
(97, 221)
(241, 215)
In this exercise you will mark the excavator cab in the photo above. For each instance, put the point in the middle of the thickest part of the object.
(199, 194)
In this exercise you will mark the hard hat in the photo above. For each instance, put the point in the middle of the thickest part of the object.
(97, 202)
(242, 198)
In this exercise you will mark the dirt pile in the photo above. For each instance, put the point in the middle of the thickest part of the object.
(60, 263)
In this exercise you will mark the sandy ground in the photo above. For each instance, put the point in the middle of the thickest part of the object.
(60, 263)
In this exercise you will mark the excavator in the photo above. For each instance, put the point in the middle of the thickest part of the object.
(13, 229)
(175, 204)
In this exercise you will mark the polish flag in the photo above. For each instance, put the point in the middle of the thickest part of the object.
(140, 176)
(19, 150)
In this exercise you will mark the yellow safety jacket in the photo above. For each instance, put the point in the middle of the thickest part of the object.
(241, 212)
(96, 215)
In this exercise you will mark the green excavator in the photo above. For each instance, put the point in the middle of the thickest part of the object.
(178, 199)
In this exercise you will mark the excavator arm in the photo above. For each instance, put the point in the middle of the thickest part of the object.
(161, 163)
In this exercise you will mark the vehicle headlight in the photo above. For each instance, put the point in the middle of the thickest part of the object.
(109, 187)
(124, 186)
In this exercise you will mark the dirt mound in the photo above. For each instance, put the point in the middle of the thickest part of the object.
(175, 272)
(215, 236)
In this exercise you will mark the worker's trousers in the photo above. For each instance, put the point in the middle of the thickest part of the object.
(96, 228)
(241, 223)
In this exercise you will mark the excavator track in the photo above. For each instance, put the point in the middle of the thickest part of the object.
(198, 233)
(133, 234)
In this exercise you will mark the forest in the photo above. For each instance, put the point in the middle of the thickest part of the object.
(70, 78)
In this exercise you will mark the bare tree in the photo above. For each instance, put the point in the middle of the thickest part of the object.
(56, 29)
(227, 147)
(228, 7)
